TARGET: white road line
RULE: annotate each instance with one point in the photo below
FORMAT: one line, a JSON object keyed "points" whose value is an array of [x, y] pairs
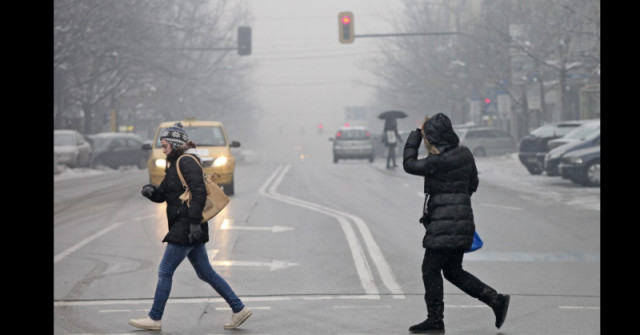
{"points": [[374, 251], [579, 307], [495, 256], [385, 271], [359, 258], [252, 308], [212, 300], [82, 243], [273, 265]]}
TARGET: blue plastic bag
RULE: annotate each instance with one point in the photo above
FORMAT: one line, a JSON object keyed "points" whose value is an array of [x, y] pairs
{"points": [[477, 242]]}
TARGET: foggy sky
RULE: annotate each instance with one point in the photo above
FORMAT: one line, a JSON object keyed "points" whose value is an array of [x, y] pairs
{"points": [[304, 75]]}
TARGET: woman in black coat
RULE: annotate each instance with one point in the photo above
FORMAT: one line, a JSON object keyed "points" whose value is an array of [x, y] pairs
{"points": [[187, 236], [450, 177]]}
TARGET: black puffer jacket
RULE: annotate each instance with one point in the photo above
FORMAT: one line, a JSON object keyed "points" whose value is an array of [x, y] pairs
{"points": [[179, 216], [450, 178]]}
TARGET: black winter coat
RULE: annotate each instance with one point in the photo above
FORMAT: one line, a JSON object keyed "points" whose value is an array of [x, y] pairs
{"points": [[179, 216], [449, 179]]}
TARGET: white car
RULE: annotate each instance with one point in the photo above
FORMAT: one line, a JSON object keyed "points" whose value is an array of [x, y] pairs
{"points": [[71, 148], [352, 143]]}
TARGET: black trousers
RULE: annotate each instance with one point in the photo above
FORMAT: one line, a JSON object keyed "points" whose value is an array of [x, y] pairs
{"points": [[437, 263]]}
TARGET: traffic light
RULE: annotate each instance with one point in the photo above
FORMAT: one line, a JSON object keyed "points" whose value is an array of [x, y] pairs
{"points": [[345, 27], [485, 106], [244, 41]]}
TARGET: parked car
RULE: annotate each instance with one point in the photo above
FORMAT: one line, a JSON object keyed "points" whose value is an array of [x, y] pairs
{"points": [[486, 141], [582, 166], [533, 147], [114, 150], [352, 143], [71, 148], [213, 147], [576, 135], [552, 159]]}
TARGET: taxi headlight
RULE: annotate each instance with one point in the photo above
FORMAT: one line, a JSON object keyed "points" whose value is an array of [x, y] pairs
{"points": [[220, 161], [160, 163]]}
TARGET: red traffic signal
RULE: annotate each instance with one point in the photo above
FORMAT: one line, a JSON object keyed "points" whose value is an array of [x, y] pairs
{"points": [[345, 27]]}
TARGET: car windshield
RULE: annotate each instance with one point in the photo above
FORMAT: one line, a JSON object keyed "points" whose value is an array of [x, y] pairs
{"points": [[205, 136], [551, 130], [63, 139], [583, 131], [352, 134]]}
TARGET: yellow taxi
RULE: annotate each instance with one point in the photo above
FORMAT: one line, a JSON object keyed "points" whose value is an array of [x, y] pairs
{"points": [[213, 146]]}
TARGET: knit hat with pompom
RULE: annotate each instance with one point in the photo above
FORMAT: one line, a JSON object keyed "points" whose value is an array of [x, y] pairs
{"points": [[176, 135]]}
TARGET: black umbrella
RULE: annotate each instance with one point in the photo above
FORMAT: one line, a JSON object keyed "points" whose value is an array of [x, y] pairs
{"points": [[392, 115]]}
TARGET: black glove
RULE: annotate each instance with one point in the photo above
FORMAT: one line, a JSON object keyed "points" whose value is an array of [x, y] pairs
{"points": [[195, 231], [147, 190]]}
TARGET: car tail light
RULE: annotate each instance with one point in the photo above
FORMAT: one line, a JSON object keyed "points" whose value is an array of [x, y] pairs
{"points": [[368, 134], [338, 134]]}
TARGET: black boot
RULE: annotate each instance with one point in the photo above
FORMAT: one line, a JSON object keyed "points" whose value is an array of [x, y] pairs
{"points": [[500, 305], [434, 324]]}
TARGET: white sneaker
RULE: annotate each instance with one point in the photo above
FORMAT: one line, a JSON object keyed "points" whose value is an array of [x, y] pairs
{"points": [[238, 318], [146, 323]]}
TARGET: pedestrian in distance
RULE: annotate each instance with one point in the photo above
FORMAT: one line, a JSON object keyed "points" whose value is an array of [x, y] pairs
{"points": [[390, 138], [450, 178], [187, 236]]}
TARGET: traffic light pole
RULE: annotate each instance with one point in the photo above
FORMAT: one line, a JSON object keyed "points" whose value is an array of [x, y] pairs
{"points": [[410, 34]]}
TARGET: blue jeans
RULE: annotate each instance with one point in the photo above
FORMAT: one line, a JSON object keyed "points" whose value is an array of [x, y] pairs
{"points": [[174, 254]]}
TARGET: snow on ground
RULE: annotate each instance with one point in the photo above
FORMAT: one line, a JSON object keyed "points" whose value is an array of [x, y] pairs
{"points": [[509, 172]]}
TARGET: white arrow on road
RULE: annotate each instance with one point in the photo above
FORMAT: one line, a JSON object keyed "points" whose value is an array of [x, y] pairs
{"points": [[226, 225], [273, 265]]}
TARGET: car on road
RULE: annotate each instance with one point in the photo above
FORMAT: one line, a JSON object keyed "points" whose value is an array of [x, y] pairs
{"points": [[533, 147], [71, 148], [486, 141], [582, 166], [114, 150], [552, 159], [213, 147], [353, 142], [576, 135]]}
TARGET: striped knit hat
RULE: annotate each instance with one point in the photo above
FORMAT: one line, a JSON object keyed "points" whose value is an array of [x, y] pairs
{"points": [[175, 135]]}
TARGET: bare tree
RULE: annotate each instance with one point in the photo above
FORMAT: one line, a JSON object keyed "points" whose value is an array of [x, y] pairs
{"points": [[430, 74], [167, 58]]}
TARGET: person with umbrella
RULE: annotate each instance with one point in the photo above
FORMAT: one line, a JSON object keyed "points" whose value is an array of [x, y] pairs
{"points": [[390, 135]]}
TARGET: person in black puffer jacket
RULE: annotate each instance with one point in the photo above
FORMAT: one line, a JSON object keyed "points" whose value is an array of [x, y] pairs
{"points": [[187, 236], [450, 177]]}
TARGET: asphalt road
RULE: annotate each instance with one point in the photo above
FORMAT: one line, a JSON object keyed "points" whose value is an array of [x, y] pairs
{"points": [[314, 247]]}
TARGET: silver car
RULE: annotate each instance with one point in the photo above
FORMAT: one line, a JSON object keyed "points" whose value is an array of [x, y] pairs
{"points": [[71, 148], [352, 143], [486, 141]]}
